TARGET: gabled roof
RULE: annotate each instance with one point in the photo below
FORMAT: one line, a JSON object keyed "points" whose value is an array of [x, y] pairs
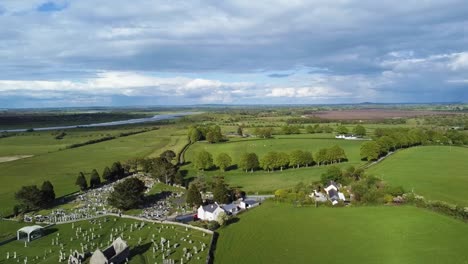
{"points": [[210, 208], [30, 229], [333, 194], [229, 207], [250, 202]]}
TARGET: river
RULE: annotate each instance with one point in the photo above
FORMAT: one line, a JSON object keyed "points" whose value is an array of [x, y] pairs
{"points": [[113, 123]]}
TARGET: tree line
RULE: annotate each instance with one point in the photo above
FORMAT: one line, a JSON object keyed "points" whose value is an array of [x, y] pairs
{"points": [[391, 139], [212, 134], [272, 160]]}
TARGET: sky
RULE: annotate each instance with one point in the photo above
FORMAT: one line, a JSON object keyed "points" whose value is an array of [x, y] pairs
{"points": [[125, 53]]}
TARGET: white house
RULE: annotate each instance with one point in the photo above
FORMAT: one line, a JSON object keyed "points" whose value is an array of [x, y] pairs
{"points": [[347, 136], [246, 204], [333, 194], [209, 212]]}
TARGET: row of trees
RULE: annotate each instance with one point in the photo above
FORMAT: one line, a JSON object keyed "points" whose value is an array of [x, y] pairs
{"points": [[391, 139], [296, 129], [272, 160], [212, 134], [115, 172], [31, 197]]}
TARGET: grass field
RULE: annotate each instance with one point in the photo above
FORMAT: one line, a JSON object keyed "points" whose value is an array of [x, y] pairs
{"points": [[62, 167], [436, 172], [139, 253], [281, 233], [262, 181]]}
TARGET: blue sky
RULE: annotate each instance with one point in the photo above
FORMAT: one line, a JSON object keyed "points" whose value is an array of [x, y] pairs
{"points": [[120, 52]]}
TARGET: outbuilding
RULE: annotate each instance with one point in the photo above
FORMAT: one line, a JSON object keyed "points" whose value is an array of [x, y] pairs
{"points": [[29, 233]]}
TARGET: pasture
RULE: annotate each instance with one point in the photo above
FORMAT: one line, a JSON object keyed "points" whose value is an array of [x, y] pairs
{"points": [[281, 233], [104, 228], [264, 182], [62, 167], [435, 172]]}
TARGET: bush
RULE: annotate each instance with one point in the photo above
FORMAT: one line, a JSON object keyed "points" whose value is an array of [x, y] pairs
{"points": [[212, 225]]}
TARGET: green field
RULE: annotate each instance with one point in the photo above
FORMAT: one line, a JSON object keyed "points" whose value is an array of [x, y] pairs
{"points": [[140, 253], [62, 167], [436, 172], [262, 181], [281, 233]]}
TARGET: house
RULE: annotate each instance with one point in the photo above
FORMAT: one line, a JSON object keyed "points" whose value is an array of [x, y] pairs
{"points": [[231, 208], [246, 204], [116, 253], [347, 136], [333, 193], [209, 212]]}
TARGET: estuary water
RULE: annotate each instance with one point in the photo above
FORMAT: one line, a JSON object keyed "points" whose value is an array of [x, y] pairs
{"points": [[113, 123]]}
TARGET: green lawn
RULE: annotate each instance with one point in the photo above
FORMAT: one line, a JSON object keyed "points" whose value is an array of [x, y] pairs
{"points": [[281, 233], [436, 172], [142, 253], [262, 181], [62, 167]]}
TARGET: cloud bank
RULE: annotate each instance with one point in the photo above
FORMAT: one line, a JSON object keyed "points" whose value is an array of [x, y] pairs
{"points": [[60, 53]]}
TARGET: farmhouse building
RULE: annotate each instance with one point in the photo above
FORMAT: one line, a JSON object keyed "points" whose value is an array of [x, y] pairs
{"points": [[209, 212], [347, 136], [246, 204], [333, 193]]}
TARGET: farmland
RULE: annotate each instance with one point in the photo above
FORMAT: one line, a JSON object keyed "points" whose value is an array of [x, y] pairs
{"points": [[281, 233], [61, 167], [436, 172], [262, 181]]}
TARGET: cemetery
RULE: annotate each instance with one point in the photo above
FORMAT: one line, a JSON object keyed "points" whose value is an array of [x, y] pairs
{"points": [[110, 238], [93, 202]]}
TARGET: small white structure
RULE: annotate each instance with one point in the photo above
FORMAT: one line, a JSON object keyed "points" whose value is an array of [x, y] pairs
{"points": [[31, 232], [347, 136], [209, 212], [246, 204]]}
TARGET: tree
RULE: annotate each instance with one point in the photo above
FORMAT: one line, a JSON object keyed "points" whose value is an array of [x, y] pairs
{"points": [[94, 180], [248, 161], [269, 161], [133, 164], [203, 160], [370, 151], [29, 197], [194, 135], [127, 194], [107, 175], [341, 130], [282, 160], [296, 158], [193, 196], [222, 218], [321, 156], [223, 161], [163, 170], [359, 130], [332, 174], [240, 131], [307, 159], [48, 193], [336, 154], [310, 129], [168, 155], [117, 171], [81, 181], [221, 192]]}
